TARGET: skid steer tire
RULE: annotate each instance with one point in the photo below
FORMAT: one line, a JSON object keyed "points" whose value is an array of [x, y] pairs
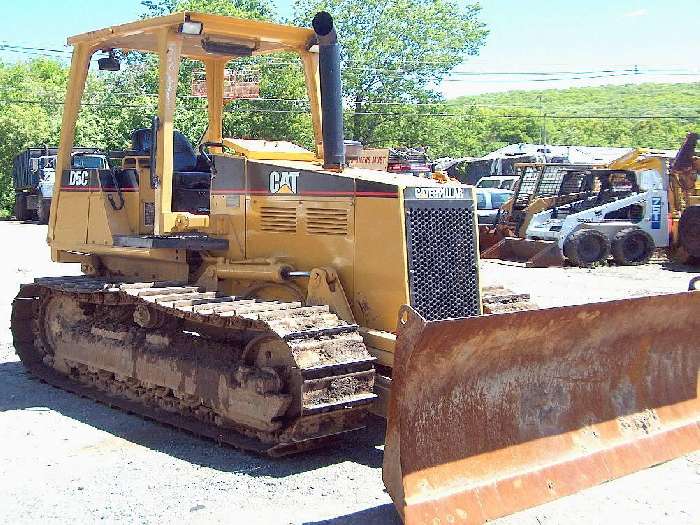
{"points": [[632, 247], [585, 248], [43, 211]]}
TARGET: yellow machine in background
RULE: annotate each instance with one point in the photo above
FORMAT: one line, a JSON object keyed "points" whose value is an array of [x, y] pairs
{"points": [[266, 296]]}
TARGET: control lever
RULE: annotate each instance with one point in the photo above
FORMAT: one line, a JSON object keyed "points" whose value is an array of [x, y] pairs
{"points": [[203, 147]]}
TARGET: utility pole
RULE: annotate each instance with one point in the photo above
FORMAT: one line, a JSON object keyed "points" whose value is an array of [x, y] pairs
{"points": [[543, 132]]}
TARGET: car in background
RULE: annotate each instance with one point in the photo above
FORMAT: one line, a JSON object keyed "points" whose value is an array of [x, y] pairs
{"points": [[411, 161], [504, 182], [489, 202]]}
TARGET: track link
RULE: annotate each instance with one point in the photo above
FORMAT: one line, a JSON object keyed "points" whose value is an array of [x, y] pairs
{"points": [[271, 377]]}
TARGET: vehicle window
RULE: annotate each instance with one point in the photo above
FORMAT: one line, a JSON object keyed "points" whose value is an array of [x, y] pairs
{"points": [[620, 182], [488, 183], [481, 201], [507, 184], [650, 180], [498, 199], [88, 161]]}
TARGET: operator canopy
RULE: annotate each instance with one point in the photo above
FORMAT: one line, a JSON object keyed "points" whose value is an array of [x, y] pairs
{"points": [[203, 36]]}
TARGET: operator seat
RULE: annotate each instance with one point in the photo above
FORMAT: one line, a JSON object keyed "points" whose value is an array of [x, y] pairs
{"points": [[191, 173]]}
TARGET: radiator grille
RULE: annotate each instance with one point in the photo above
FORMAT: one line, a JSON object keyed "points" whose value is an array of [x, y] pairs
{"points": [[442, 259], [327, 221], [278, 219]]}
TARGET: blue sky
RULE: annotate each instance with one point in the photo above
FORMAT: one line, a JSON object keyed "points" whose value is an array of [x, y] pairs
{"points": [[526, 35]]}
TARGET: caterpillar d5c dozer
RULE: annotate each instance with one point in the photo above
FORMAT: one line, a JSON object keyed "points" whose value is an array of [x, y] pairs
{"points": [[252, 294]]}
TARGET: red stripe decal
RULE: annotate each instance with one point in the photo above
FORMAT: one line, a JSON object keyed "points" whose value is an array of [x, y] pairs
{"points": [[393, 194], [228, 192], [384, 194], [97, 189]]}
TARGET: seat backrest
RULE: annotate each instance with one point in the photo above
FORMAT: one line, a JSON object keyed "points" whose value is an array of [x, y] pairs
{"points": [[141, 141], [184, 157]]}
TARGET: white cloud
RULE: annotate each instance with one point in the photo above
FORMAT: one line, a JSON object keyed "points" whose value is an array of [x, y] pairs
{"points": [[637, 13]]}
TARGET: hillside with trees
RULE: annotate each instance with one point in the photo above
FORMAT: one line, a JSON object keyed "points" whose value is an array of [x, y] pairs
{"points": [[649, 115]]}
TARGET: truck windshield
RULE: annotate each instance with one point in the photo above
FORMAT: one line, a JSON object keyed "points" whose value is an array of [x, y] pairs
{"points": [[488, 183], [89, 162], [498, 199]]}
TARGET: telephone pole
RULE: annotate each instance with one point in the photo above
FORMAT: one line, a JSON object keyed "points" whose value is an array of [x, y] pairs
{"points": [[543, 132]]}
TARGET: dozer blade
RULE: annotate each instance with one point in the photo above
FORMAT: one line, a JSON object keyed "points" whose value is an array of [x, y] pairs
{"points": [[494, 414], [535, 254]]}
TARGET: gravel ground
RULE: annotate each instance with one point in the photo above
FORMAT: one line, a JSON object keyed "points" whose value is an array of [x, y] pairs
{"points": [[65, 459]]}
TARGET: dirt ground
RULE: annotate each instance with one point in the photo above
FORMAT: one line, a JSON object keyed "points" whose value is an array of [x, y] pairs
{"points": [[65, 459]]}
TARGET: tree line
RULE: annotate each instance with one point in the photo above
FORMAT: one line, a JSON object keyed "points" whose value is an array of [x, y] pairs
{"points": [[395, 54]]}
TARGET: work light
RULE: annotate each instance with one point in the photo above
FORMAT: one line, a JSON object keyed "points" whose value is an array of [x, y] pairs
{"points": [[190, 27]]}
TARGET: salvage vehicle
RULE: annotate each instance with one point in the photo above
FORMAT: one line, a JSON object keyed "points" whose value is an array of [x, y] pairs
{"points": [[489, 202], [33, 177], [504, 182]]}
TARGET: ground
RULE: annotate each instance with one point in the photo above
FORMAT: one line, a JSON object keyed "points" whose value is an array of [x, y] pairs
{"points": [[65, 459]]}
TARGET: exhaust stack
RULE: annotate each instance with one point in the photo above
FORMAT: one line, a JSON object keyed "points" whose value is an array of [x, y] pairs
{"points": [[331, 92]]}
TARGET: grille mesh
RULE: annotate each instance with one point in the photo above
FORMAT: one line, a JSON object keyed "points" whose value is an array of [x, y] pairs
{"points": [[442, 260]]}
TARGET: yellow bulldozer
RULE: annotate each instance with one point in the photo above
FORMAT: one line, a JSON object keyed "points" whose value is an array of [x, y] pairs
{"points": [[267, 296]]}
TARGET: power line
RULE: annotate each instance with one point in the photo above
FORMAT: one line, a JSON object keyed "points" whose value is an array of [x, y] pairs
{"points": [[106, 94], [5, 45], [109, 93], [392, 114], [450, 76], [102, 97], [609, 68]]}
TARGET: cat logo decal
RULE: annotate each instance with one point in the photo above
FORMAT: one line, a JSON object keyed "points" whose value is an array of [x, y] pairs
{"points": [[283, 181]]}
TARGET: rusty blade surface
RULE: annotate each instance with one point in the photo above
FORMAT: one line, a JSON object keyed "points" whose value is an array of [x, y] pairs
{"points": [[494, 414], [532, 253]]}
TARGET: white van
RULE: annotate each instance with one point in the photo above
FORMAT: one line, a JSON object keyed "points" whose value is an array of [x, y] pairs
{"points": [[503, 182]]}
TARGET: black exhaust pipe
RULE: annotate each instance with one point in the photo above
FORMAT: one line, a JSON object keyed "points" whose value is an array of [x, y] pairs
{"points": [[331, 92]]}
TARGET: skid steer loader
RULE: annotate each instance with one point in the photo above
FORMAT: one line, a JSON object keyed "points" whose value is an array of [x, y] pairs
{"points": [[628, 209], [539, 187], [262, 316]]}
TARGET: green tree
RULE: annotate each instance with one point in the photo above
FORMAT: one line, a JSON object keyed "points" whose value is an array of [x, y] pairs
{"points": [[280, 79], [396, 50], [30, 96], [260, 9]]}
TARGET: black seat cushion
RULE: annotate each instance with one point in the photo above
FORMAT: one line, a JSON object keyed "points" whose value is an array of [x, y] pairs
{"points": [[184, 156], [191, 180], [141, 141]]}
